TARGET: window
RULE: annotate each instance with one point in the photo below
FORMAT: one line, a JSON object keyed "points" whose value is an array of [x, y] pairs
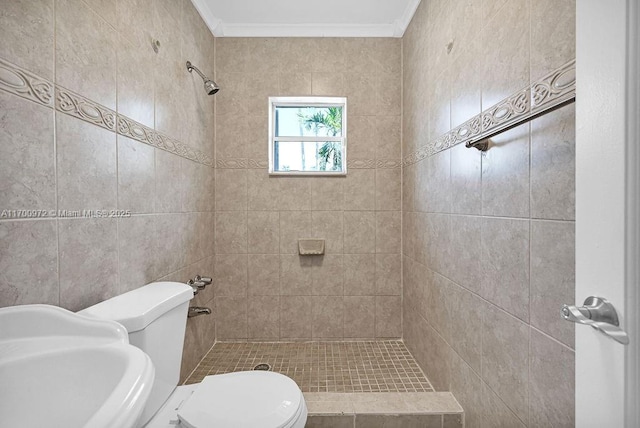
{"points": [[307, 135]]}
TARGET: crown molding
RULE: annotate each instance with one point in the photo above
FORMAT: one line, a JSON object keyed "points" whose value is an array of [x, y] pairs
{"points": [[308, 30], [207, 15], [222, 29]]}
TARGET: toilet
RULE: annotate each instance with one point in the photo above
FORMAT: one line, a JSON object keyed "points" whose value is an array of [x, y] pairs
{"points": [[155, 317]]}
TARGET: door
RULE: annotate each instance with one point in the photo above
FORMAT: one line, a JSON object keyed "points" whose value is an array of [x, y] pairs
{"points": [[603, 141]]}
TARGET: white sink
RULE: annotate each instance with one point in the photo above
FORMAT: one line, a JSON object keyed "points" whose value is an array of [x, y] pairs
{"points": [[61, 369]]}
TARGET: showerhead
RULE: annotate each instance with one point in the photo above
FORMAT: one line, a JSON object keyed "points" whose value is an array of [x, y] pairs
{"points": [[210, 86]]}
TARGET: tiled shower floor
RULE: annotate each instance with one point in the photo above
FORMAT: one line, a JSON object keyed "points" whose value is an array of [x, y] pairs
{"points": [[365, 366]]}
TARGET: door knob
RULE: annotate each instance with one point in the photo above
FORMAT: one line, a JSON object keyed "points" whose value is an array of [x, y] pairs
{"points": [[600, 314]]}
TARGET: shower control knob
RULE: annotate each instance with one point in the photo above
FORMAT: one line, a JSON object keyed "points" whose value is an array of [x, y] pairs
{"points": [[206, 280]]}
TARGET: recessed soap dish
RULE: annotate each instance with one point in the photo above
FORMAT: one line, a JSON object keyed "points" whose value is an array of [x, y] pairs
{"points": [[310, 247]]}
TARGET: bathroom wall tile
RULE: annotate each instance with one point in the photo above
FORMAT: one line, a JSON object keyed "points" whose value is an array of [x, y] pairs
{"points": [[552, 277], [232, 54], [327, 194], [327, 84], [552, 383], [437, 362], [168, 182], [263, 232], [264, 275], [553, 154], [136, 252], [330, 54], [27, 155], [328, 225], [170, 244], [505, 365], [136, 176], [231, 189], [388, 232], [490, 8], [388, 316], [169, 73], [437, 242], [466, 386], [231, 317], [389, 95], [257, 148], [466, 252], [466, 23], [231, 274], [465, 315], [438, 185], [495, 413], [466, 184], [231, 232], [295, 193], [359, 316], [262, 190], [466, 85], [295, 275], [505, 174], [388, 137], [358, 58], [106, 9], [134, 20], [439, 106], [294, 84], [327, 275], [359, 190], [199, 236], [361, 90], [438, 311], [505, 281], [553, 35], [388, 275], [28, 247], [362, 137], [231, 136], [328, 317], [88, 261], [388, 189], [296, 317], [260, 87], [408, 188], [359, 274], [502, 78], [232, 101], [134, 87], [294, 225], [359, 232], [263, 317], [26, 28], [92, 186], [85, 53], [199, 186]]}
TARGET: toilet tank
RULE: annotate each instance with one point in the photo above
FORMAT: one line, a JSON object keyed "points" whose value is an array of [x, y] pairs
{"points": [[155, 317]]}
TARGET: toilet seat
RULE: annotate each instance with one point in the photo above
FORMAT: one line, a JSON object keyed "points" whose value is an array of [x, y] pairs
{"points": [[243, 400]]}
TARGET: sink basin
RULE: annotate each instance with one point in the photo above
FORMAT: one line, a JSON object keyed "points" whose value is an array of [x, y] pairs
{"points": [[61, 369]]}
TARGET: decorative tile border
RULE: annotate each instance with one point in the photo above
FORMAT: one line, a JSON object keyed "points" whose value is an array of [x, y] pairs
{"points": [[554, 89], [22, 83], [82, 108], [232, 163], [361, 163], [17, 81]]}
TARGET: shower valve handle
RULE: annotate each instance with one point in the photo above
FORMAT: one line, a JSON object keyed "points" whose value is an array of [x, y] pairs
{"points": [[204, 279]]}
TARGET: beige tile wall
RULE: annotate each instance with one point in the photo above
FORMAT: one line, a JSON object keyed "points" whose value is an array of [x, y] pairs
{"points": [[53, 161], [488, 239], [265, 291]]}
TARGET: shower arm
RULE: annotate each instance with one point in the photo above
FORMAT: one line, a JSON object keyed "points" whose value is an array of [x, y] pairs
{"points": [[191, 67]]}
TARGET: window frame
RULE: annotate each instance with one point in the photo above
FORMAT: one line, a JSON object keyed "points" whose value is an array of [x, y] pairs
{"points": [[310, 101]]}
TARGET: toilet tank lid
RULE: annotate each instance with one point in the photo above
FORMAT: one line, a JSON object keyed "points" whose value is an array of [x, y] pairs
{"points": [[138, 308]]}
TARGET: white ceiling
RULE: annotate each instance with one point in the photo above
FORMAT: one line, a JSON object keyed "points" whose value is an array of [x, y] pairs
{"points": [[307, 18]]}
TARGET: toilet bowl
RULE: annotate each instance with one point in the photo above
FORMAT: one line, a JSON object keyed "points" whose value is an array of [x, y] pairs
{"points": [[155, 317]]}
